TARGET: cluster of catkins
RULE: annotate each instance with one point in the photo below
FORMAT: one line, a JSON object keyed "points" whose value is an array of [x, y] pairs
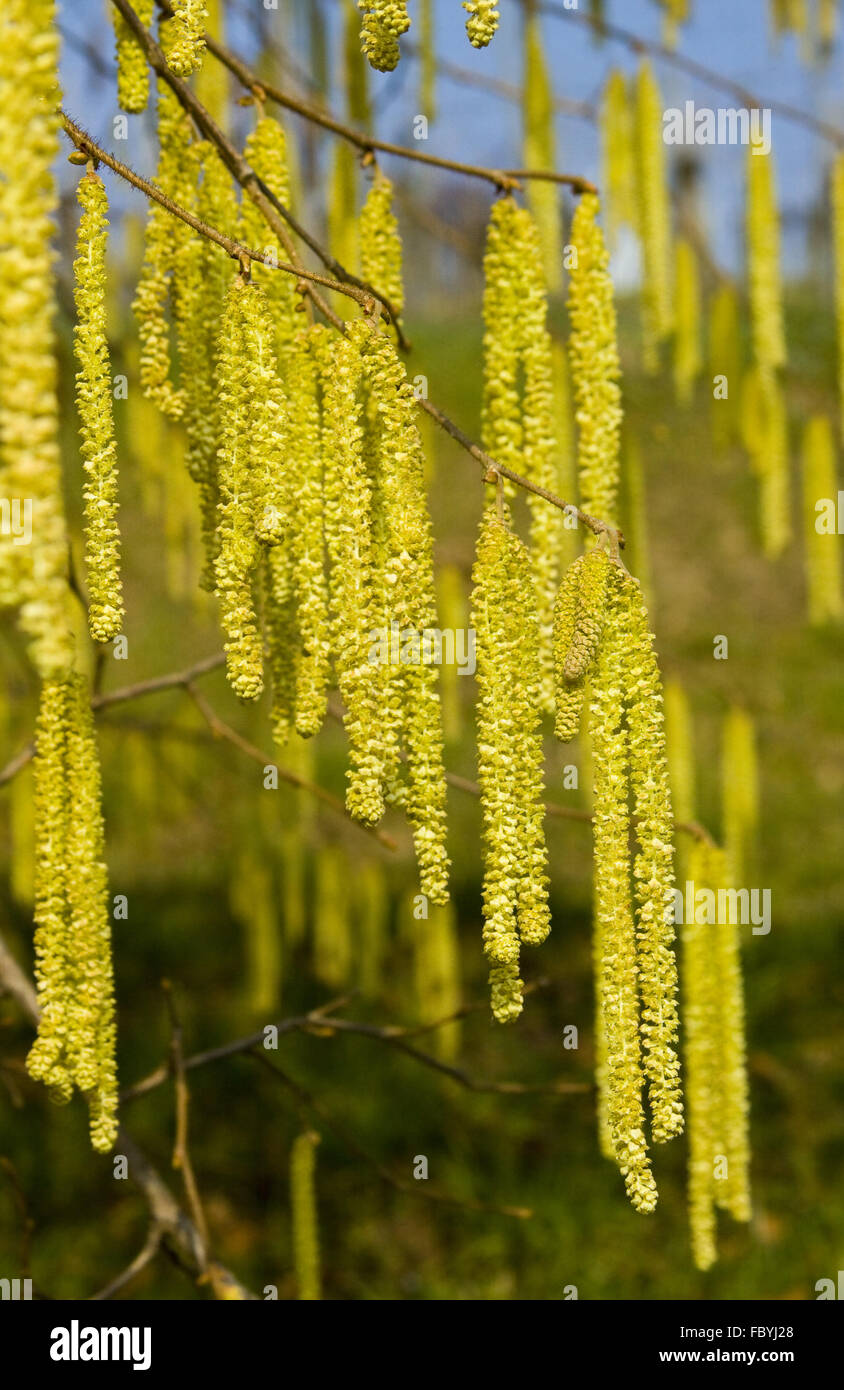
{"points": [[384, 21]]}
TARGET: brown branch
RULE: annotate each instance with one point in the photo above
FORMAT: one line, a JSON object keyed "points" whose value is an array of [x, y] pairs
{"points": [[505, 179], [508, 91], [273, 210], [145, 1256], [165, 1211]]}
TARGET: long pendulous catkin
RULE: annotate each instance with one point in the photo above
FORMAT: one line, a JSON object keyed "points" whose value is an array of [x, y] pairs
{"points": [[75, 1046], [33, 577], [186, 36], [132, 66], [305, 1220], [654, 217], [820, 497], [96, 417], [509, 758]]}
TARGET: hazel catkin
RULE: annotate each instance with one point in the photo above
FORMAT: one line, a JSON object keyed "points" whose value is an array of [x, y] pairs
{"points": [[94, 405]]}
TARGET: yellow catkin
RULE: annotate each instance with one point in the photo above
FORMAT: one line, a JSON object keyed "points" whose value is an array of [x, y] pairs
{"points": [[618, 1050], [355, 70], [175, 176], [739, 793], [371, 916], [701, 1031], [186, 36], [654, 217], [76, 1035], [509, 758], [304, 1212], [132, 67], [725, 363], [679, 737], [332, 940], [428, 61], [837, 199], [383, 23], [569, 694], [380, 244], [676, 13], [687, 349], [617, 155], [482, 22], [342, 219], [249, 445], [32, 577], [437, 978], [539, 153], [405, 579], [595, 368], [453, 616], [820, 511], [762, 234], [519, 416], [267, 151], [254, 905], [715, 1058], [212, 80], [763, 426], [636, 516], [565, 452], [96, 416]]}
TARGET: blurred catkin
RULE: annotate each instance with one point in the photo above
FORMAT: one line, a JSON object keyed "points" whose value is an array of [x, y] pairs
{"points": [[654, 216], [304, 1212], [823, 559]]}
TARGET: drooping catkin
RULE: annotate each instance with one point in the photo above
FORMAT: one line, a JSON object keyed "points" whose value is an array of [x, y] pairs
{"points": [[715, 1058], [212, 79], [33, 577], [539, 153], [436, 970], [342, 219], [186, 36], [739, 793], [837, 200], [482, 22], [725, 363], [565, 452], [383, 23], [509, 758], [595, 367], [636, 516], [332, 939], [380, 243], [653, 868], [676, 13], [238, 545], [254, 906], [774, 467], [519, 414], [165, 235], [654, 217], [618, 1047], [371, 913], [687, 351], [94, 405], [303, 1207], [569, 695], [406, 578], [132, 67], [617, 155], [453, 616], [428, 61], [266, 150], [75, 1045], [820, 499], [762, 234]]}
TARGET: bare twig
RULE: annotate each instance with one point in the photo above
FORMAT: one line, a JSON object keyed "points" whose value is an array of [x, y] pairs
{"points": [[145, 1256]]}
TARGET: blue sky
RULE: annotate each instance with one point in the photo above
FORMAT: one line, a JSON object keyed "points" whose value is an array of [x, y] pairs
{"points": [[730, 36]]}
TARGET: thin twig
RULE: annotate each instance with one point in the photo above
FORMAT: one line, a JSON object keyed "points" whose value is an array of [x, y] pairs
{"points": [[145, 1256], [181, 1148]]}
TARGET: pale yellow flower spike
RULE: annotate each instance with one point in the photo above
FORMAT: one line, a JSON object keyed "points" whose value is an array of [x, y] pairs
{"points": [[732, 1177], [837, 195], [654, 217], [823, 556], [539, 153], [725, 362], [333, 946], [76, 1032], [482, 22], [595, 368], [380, 243], [34, 576], [739, 793], [653, 868], [509, 758], [680, 743], [237, 542], [305, 1219], [569, 695], [763, 269], [94, 404], [132, 66], [687, 349], [384, 21], [620, 1073], [266, 150], [501, 431], [187, 37], [617, 159], [701, 1056]]}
